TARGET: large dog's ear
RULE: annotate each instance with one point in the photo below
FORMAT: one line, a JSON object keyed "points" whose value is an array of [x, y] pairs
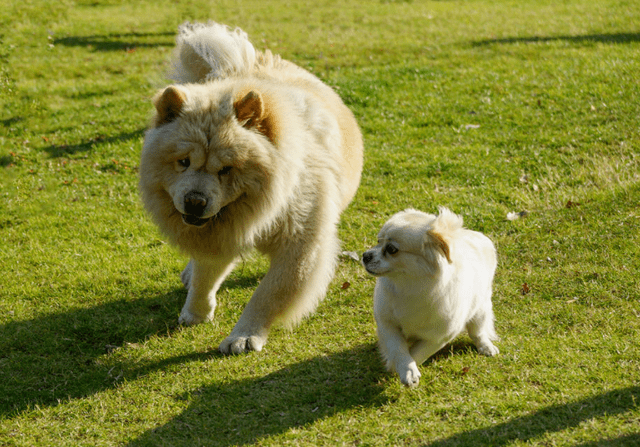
{"points": [[169, 104], [433, 239], [249, 109], [253, 113]]}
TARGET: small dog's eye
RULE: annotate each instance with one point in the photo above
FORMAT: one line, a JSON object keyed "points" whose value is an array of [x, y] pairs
{"points": [[185, 162], [391, 249], [225, 170]]}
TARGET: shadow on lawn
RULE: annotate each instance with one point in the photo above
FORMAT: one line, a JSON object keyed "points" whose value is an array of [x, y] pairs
{"points": [[118, 42], [246, 411], [50, 360], [65, 150], [554, 419], [57, 357], [64, 356], [613, 38]]}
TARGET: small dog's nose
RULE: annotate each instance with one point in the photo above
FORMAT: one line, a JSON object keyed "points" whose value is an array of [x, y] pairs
{"points": [[367, 257], [195, 203]]}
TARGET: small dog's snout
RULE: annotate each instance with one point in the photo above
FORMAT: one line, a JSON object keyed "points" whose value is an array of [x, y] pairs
{"points": [[367, 257], [195, 203]]}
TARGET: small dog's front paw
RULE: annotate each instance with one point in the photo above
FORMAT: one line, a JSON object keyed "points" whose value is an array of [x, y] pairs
{"points": [[488, 349], [189, 319], [235, 344], [409, 374]]}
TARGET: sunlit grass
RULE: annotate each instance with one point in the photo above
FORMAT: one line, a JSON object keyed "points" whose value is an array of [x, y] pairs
{"points": [[489, 108]]}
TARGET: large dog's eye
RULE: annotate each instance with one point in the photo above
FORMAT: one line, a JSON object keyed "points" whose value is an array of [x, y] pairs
{"points": [[225, 170], [390, 249], [185, 162]]}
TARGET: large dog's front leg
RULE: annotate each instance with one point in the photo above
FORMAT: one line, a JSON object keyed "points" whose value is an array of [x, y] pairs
{"points": [[292, 288], [203, 279]]}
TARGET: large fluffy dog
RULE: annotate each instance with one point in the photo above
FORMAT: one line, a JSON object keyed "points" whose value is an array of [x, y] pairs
{"points": [[249, 150], [434, 281]]}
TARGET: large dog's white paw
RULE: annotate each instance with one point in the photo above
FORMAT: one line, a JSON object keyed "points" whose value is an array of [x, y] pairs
{"points": [[238, 344], [488, 349], [409, 374], [189, 319]]}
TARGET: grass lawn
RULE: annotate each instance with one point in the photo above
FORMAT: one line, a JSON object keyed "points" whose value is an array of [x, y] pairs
{"points": [[491, 108]]}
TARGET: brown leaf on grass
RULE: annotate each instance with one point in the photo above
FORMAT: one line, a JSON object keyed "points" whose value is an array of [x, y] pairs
{"points": [[345, 285], [571, 204], [465, 370], [525, 289]]}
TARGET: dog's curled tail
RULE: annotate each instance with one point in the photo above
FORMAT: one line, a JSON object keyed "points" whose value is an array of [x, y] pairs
{"points": [[210, 51]]}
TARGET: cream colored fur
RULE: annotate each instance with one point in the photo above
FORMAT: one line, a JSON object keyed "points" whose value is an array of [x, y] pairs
{"points": [[248, 150], [434, 281]]}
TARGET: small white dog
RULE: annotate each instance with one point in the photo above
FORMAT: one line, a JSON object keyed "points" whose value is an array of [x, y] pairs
{"points": [[434, 280]]}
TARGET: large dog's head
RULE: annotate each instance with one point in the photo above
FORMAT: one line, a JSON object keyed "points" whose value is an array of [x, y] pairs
{"points": [[412, 244], [209, 152]]}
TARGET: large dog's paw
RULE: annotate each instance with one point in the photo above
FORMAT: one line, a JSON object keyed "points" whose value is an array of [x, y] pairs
{"points": [[409, 374], [488, 349], [189, 319], [238, 344]]}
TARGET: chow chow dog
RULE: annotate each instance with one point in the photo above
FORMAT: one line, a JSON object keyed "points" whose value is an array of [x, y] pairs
{"points": [[247, 150], [433, 280]]}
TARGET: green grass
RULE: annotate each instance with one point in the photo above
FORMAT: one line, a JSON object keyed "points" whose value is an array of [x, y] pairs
{"points": [[487, 107]]}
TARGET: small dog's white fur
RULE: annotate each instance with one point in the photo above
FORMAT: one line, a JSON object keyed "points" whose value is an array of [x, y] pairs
{"points": [[434, 281]]}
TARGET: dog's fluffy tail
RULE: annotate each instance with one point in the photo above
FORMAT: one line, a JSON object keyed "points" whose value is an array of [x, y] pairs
{"points": [[210, 51]]}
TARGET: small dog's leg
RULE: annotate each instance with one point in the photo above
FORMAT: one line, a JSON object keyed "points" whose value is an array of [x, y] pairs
{"points": [[203, 280], [482, 331], [421, 350], [395, 350]]}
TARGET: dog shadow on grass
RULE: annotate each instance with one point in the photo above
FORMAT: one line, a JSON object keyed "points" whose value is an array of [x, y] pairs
{"points": [[586, 39], [245, 411], [66, 356], [119, 41], [67, 150], [57, 356], [554, 419]]}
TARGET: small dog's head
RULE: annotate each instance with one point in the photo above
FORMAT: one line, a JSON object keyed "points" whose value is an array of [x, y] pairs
{"points": [[412, 243]]}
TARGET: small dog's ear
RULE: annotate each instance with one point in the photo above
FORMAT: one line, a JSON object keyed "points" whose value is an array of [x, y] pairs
{"points": [[435, 239], [169, 104], [252, 112]]}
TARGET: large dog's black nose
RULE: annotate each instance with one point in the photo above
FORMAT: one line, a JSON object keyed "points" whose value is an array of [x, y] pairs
{"points": [[367, 257], [195, 203]]}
